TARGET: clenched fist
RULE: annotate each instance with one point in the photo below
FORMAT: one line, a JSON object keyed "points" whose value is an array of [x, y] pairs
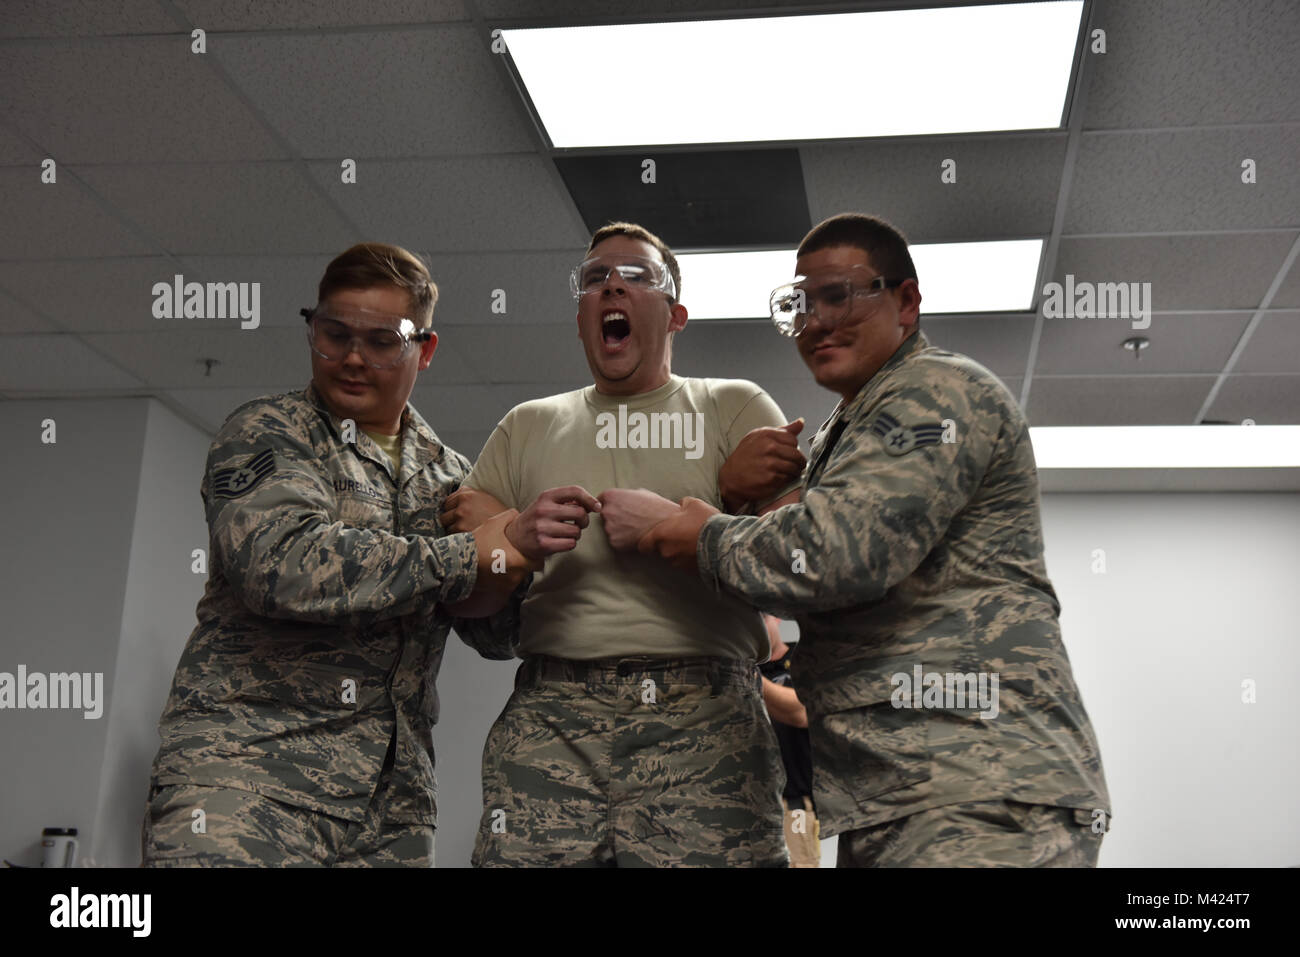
{"points": [[627, 514], [765, 461]]}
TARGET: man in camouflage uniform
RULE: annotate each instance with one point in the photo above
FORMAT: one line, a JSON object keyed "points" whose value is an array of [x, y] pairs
{"points": [[946, 725], [298, 730], [636, 734]]}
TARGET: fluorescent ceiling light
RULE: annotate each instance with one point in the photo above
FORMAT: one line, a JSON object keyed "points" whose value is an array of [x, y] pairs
{"points": [[955, 278], [1167, 447], [883, 73]]}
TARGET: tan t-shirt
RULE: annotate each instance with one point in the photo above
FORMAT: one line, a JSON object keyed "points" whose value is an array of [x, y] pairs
{"points": [[593, 602], [390, 445]]}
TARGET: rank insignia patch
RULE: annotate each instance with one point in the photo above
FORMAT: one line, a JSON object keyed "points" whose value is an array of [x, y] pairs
{"points": [[232, 483], [900, 439]]}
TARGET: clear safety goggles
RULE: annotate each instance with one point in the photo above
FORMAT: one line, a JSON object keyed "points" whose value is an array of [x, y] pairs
{"points": [[380, 338], [829, 298], [590, 275]]}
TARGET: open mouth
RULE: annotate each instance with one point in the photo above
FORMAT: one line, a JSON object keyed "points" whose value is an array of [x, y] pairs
{"points": [[615, 328]]}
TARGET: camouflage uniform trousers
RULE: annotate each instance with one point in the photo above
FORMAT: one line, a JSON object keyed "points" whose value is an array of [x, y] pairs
{"points": [[246, 829], [632, 763], [979, 834]]}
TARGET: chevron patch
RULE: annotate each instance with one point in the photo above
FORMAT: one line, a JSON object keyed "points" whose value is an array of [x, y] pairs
{"points": [[899, 439], [232, 483]]}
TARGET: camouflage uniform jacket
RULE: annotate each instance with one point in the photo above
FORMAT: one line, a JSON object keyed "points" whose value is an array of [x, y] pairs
{"points": [[319, 635], [918, 544]]}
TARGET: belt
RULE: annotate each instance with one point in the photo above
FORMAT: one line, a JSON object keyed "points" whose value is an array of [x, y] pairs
{"points": [[717, 673]]}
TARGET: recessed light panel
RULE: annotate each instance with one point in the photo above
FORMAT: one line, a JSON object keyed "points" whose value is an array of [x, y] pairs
{"points": [[826, 76]]}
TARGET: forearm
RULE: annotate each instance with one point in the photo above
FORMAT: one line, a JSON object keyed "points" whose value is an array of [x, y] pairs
{"points": [[783, 705], [817, 555], [319, 571]]}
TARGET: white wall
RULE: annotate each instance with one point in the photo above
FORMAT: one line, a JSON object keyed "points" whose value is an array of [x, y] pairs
{"points": [[94, 577], [157, 618], [67, 511], [1199, 593]]}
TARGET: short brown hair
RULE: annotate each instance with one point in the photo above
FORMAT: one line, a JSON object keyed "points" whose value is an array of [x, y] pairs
{"points": [[643, 234], [379, 264], [880, 240]]}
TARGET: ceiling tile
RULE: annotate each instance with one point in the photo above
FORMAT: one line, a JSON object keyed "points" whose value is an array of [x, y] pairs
{"points": [[1000, 343], [1194, 63], [203, 210], [736, 349], [91, 295], [87, 102], [1179, 343], [1288, 294], [603, 10], [1268, 399], [58, 220], [1155, 182], [385, 94], [215, 15], [1274, 346], [15, 317], [535, 287], [1226, 271], [57, 363], [1117, 400], [83, 18], [269, 358], [15, 151], [550, 356], [288, 283], [1006, 185], [699, 199], [493, 203]]}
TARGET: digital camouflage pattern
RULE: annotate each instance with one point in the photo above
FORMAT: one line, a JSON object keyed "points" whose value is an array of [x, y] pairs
{"points": [[668, 763], [984, 834], [245, 829], [909, 549], [320, 633]]}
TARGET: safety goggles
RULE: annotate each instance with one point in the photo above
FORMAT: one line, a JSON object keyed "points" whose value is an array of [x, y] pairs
{"points": [[590, 275], [381, 339], [830, 299]]}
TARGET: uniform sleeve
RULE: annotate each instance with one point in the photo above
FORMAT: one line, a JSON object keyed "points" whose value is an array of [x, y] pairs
{"points": [[891, 487], [270, 512], [493, 473], [497, 636]]}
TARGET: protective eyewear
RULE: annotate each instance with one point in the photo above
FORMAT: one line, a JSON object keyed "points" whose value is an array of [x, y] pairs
{"points": [[590, 275], [829, 299], [382, 340]]}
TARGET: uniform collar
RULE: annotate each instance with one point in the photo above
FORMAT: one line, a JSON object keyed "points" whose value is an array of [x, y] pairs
{"points": [[909, 346], [415, 454]]}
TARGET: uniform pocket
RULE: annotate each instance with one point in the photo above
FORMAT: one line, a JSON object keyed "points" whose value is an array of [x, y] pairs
{"points": [[870, 750]]}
